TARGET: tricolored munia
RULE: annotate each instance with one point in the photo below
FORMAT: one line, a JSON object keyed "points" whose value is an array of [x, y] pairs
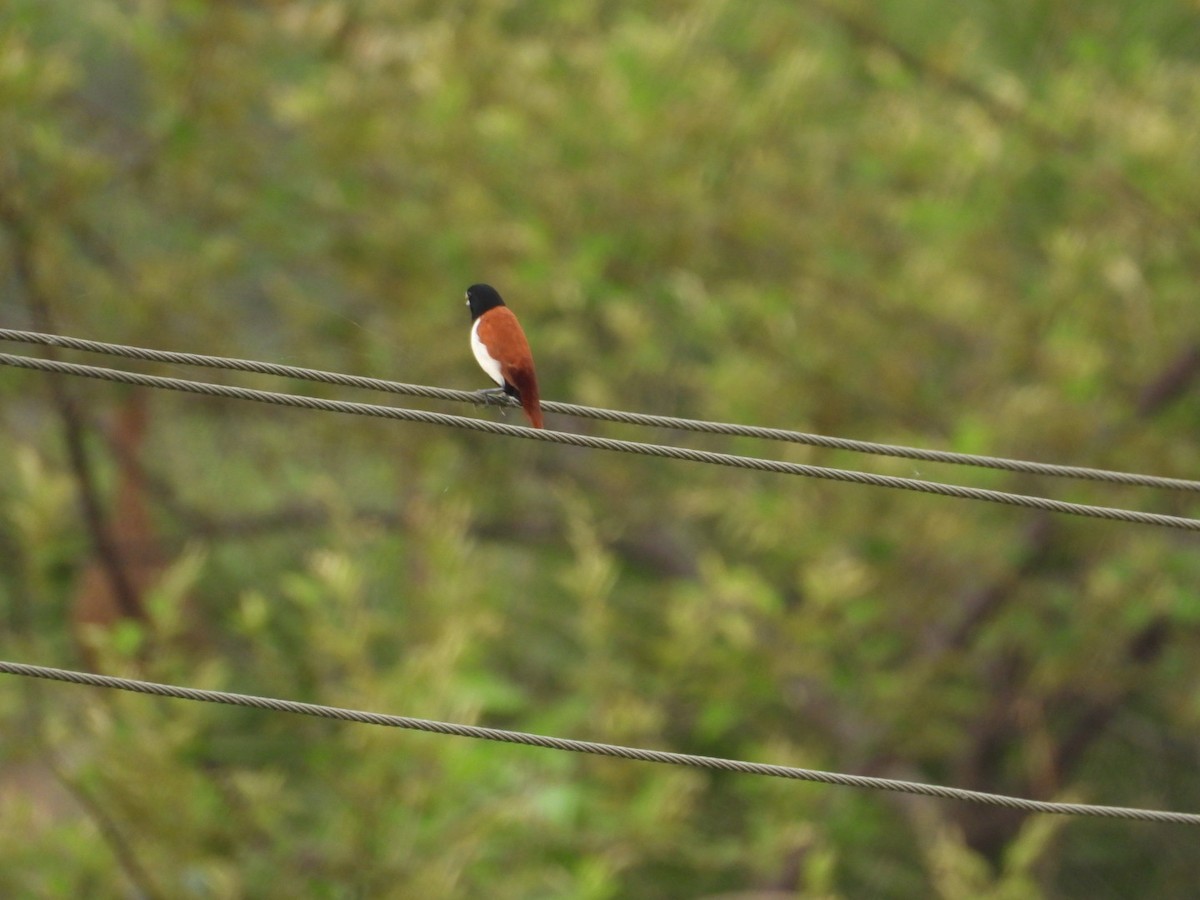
{"points": [[501, 349]]}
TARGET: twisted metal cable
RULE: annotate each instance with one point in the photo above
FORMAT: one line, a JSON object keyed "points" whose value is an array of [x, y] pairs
{"points": [[597, 749], [608, 415], [579, 440]]}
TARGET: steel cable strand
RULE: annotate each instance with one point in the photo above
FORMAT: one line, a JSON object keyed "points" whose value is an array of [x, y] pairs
{"points": [[591, 747], [620, 446], [608, 415]]}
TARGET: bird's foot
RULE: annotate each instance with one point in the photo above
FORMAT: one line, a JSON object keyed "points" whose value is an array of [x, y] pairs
{"points": [[496, 396]]}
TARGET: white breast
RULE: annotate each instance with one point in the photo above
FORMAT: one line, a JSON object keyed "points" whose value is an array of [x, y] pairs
{"points": [[489, 365]]}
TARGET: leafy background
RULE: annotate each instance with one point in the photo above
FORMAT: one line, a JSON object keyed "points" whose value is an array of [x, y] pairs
{"points": [[956, 225]]}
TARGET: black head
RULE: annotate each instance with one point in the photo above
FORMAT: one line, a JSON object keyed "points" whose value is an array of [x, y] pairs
{"points": [[481, 298]]}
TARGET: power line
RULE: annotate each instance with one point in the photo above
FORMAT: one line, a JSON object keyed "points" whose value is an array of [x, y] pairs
{"points": [[598, 443], [608, 415], [597, 749]]}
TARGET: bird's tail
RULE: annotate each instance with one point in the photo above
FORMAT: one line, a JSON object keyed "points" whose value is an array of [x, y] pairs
{"points": [[527, 390]]}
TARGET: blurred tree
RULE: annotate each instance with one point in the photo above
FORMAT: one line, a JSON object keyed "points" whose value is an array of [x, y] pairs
{"points": [[955, 226]]}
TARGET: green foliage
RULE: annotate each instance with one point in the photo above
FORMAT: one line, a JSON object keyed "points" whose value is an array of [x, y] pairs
{"points": [[956, 227]]}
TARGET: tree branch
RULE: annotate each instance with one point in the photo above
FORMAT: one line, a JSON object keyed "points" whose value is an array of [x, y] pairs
{"points": [[22, 241]]}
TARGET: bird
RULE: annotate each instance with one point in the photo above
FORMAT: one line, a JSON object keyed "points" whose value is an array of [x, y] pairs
{"points": [[501, 349]]}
